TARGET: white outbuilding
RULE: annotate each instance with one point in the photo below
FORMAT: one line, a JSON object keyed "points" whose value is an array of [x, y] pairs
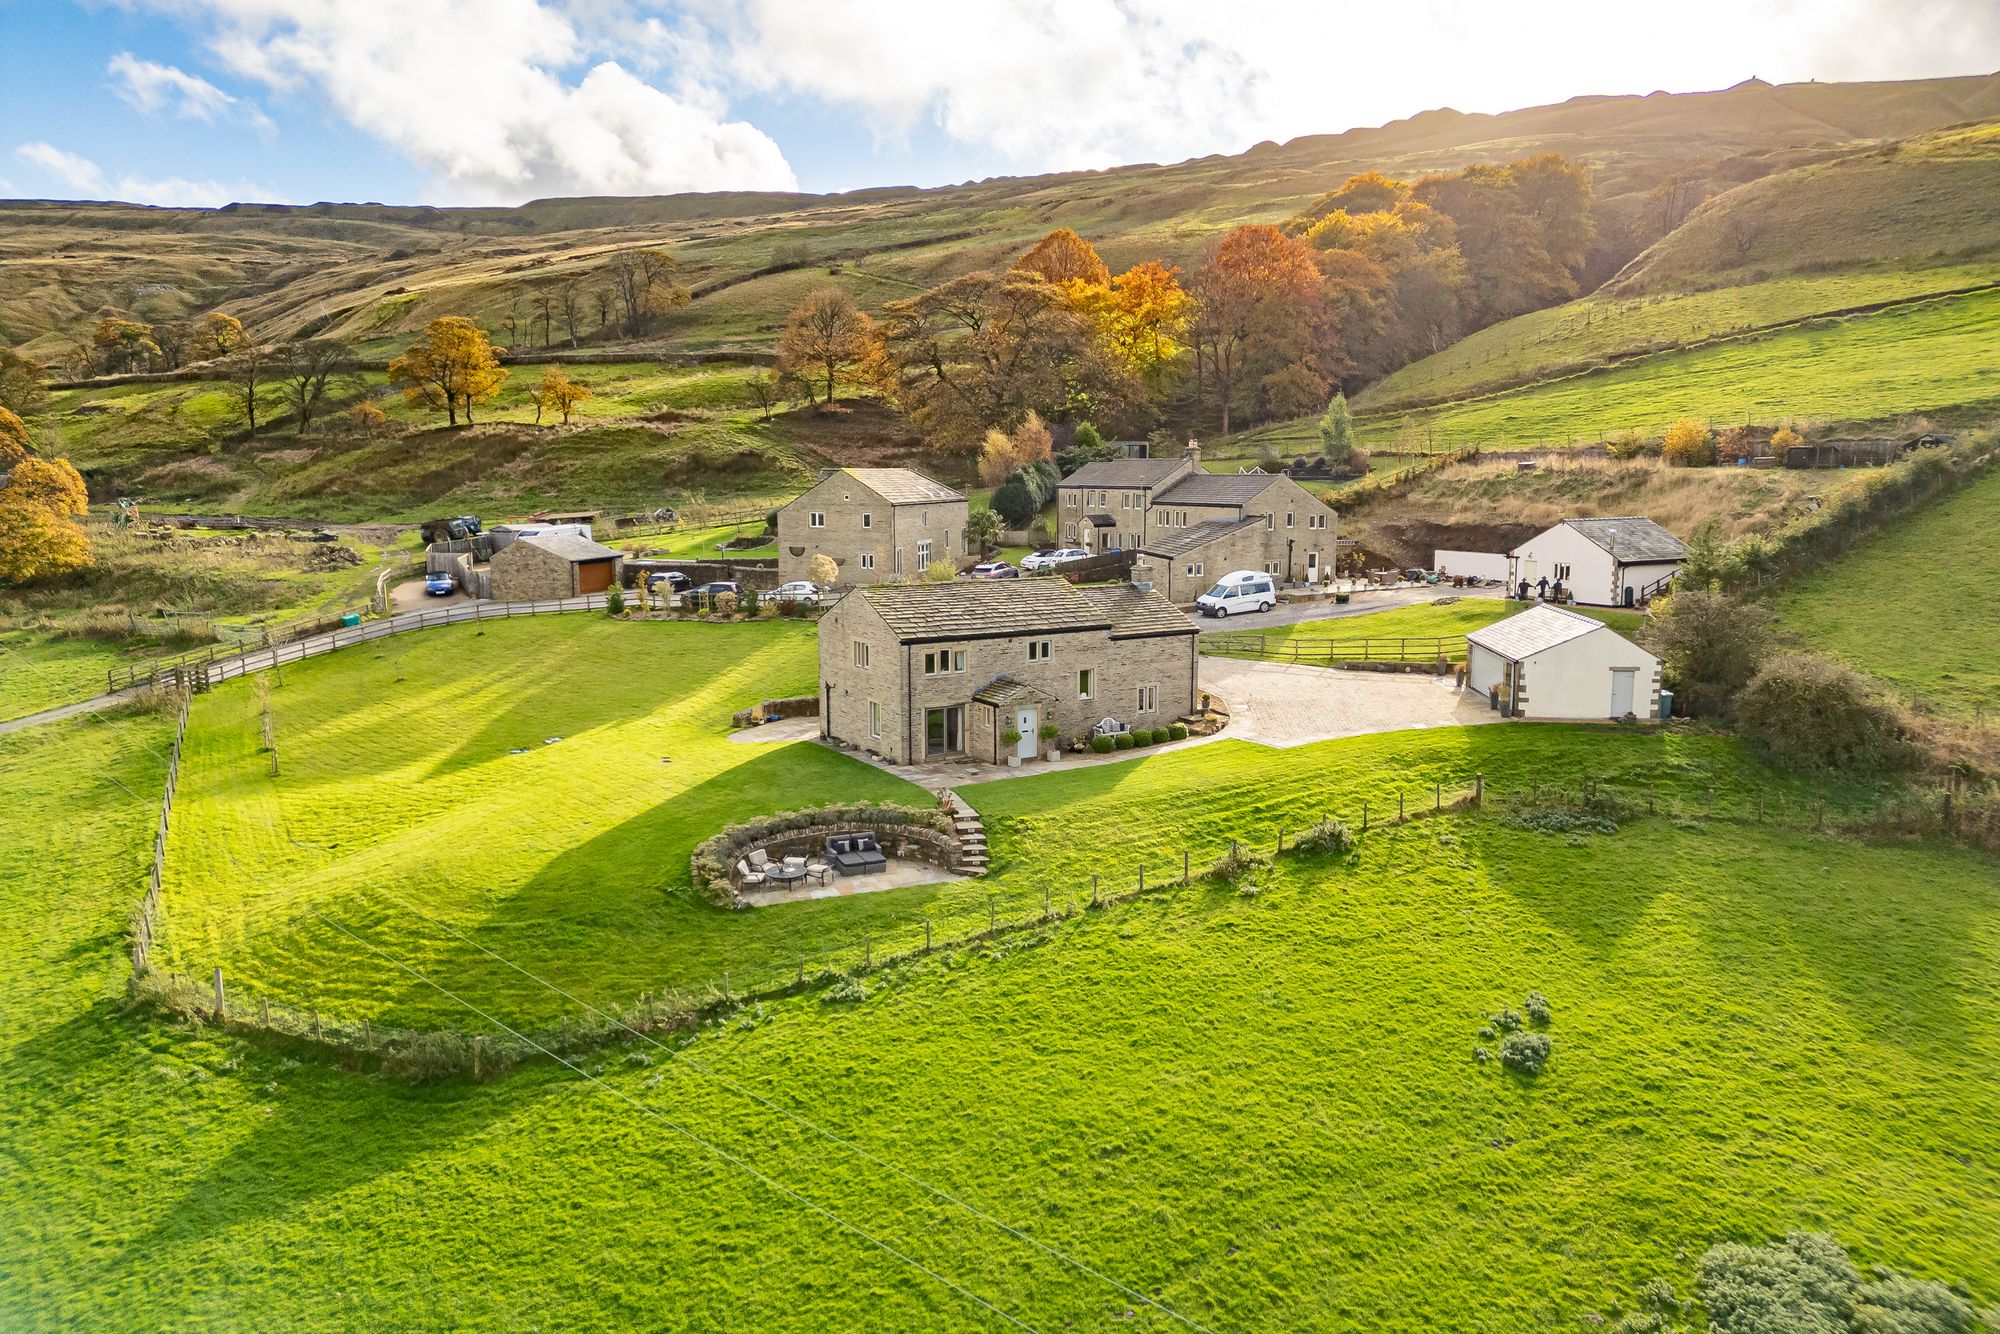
{"points": [[1551, 663], [1620, 562]]}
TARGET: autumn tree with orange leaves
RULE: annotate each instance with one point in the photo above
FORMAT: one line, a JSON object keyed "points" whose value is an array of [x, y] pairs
{"points": [[1262, 321], [40, 533], [449, 369]]}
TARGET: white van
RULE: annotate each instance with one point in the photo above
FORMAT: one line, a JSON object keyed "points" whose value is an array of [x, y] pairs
{"points": [[1239, 590]]}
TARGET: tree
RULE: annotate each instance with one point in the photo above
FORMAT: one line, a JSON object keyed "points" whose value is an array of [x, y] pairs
{"points": [[1710, 645], [1689, 444], [13, 439], [249, 368], [40, 537], [764, 392], [123, 344], [1336, 431], [174, 337], [1016, 501], [1260, 299], [826, 335], [1813, 713], [1145, 317], [23, 382], [558, 393], [643, 283], [823, 570], [220, 334], [307, 368], [571, 298], [449, 369], [1784, 438], [982, 530], [1063, 257]]}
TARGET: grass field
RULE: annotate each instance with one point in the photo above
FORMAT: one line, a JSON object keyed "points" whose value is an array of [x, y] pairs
{"points": [[1261, 1109], [1427, 620], [1932, 357], [1914, 605]]}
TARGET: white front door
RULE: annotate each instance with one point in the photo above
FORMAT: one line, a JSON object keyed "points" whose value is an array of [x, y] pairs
{"points": [[1621, 691], [1312, 567], [1025, 722]]}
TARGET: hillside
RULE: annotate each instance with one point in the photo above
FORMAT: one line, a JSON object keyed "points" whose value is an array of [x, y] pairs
{"points": [[374, 274]]}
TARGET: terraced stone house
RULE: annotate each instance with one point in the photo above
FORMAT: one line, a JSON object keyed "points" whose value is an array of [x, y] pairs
{"points": [[878, 524], [917, 672], [1197, 526]]}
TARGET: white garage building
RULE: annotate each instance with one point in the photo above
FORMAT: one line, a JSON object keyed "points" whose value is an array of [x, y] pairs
{"points": [[1551, 663], [1623, 562]]}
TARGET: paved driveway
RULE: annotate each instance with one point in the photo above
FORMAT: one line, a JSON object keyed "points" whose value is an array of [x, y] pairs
{"points": [[1280, 704], [1326, 609]]}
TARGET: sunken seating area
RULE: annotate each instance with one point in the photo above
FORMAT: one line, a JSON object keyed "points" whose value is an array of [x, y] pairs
{"points": [[855, 854]]}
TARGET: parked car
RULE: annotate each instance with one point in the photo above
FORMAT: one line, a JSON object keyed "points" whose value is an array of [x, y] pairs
{"points": [[1239, 590], [798, 590], [439, 584], [1043, 561], [706, 594], [994, 569], [672, 580]]}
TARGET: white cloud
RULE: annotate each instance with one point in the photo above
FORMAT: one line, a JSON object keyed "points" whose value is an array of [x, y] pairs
{"points": [[474, 91], [77, 172], [85, 177], [151, 87]]}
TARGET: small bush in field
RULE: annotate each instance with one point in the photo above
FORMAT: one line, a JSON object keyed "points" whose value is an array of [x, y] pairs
{"points": [[614, 601], [1537, 1007], [1506, 1020], [1237, 863], [1327, 837], [847, 991], [1689, 444], [1814, 713], [1103, 745], [1525, 1053]]}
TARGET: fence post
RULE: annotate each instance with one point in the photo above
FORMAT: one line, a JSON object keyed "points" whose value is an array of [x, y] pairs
{"points": [[1046, 910], [264, 1011], [927, 935], [1479, 789], [1437, 796], [1399, 806], [221, 1005], [315, 1021], [367, 1033], [867, 950], [1281, 840], [1184, 869], [1364, 817], [1093, 881], [1142, 880], [478, 1049]]}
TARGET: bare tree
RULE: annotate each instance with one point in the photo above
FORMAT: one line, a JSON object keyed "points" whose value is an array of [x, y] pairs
{"points": [[1745, 230], [542, 302], [308, 368], [764, 392], [644, 283], [251, 367], [605, 298], [570, 299], [174, 338]]}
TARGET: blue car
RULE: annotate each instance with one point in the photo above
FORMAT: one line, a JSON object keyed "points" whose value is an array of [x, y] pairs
{"points": [[438, 584]]}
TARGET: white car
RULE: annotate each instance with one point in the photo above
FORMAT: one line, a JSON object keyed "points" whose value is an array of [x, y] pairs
{"points": [[799, 590], [1043, 561], [1239, 590]]}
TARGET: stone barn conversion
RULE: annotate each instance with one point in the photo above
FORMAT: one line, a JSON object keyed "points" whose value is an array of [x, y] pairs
{"points": [[917, 672], [878, 525], [535, 566], [1552, 663]]}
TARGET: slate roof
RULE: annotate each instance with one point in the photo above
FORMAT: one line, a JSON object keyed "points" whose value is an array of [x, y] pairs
{"points": [[569, 546], [1185, 540], [1124, 472], [1534, 630], [1138, 612], [983, 608], [902, 486], [1632, 539], [1208, 488]]}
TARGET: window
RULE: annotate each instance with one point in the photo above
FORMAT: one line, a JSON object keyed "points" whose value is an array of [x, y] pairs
{"points": [[1289, 519], [860, 654], [867, 519], [1183, 522], [924, 552], [1315, 521], [940, 662], [1149, 699], [1194, 569], [874, 719], [1038, 650], [867, 560], [1069, 532], [1086, 683], [1270, 523], [1270, 567], [818, 520]]}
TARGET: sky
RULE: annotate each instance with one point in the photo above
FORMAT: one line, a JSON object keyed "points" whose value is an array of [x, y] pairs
{"points": [[453, 102]]}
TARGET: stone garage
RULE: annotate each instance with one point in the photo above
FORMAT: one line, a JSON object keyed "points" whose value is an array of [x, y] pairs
{"points": [[553, 565]]}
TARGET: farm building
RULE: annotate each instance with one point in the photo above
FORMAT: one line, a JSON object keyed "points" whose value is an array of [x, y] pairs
{"points": [[1622, 562], [878, 525], [1551, 663], [924, 671], [552, 565]]}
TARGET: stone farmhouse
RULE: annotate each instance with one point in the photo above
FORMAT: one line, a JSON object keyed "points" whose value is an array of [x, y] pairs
{"points": [[916, 672], [1195, 525], [878, 525], [1621, 562]]}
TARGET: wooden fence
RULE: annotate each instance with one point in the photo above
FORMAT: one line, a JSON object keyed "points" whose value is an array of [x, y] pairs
{"points": [[1278, 647], [146, 920]]}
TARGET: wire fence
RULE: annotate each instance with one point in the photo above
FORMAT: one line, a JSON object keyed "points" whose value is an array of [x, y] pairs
{"points": [[145, 921], [837, 967]]}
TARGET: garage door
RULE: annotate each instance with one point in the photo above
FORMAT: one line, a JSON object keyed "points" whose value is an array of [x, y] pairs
{"points": [[593, 576]]}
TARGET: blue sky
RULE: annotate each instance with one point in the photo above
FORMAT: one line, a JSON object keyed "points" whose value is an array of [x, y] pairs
{"points": [[498, 101]]}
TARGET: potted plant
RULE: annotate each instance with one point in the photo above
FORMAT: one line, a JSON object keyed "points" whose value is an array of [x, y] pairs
{"points": [[1049, 734], [1011, 739]]}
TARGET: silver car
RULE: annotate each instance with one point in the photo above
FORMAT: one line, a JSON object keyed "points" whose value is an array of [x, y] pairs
{"points": [[798, 590]]}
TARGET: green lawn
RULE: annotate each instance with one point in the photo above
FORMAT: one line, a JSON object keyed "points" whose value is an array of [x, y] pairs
{"points": [[698, 543], [1565, 339], [39, 671], [1915, 605], [1425, 620], [1262, 1109]]}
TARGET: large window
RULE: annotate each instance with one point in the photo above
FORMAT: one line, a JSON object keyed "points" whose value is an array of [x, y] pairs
{"points": [[942, 662], [1038, 650], [867, 560], [1086, 683], [817, 520], [1149, 699], [874, 719], [924, 552], [944, 730]]}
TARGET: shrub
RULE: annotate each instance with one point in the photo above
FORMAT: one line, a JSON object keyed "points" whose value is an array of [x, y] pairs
{"points": [[1140, 736], [1537, 1007], [1103, 745], [1507, 1021], [750, 602], [1813, 713], [1710, 645], [1629, 445], [1784, 438], [1010, 737], [1049, 731], [1162, 735], [1236, 863], [1805, 1283], [1177, 732], [1525, 1053], [847, 991], [1124, 741], [1327, 837], [1689, 444], [1898, 1304], [940, 572], [614, 601]]}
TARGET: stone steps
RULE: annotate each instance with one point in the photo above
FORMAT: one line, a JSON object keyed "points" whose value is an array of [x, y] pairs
{"points": [[971, 831]]}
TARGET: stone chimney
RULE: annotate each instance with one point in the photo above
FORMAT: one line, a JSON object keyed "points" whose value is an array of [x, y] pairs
{"points": [[1142, 574], [1193, 454]]}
